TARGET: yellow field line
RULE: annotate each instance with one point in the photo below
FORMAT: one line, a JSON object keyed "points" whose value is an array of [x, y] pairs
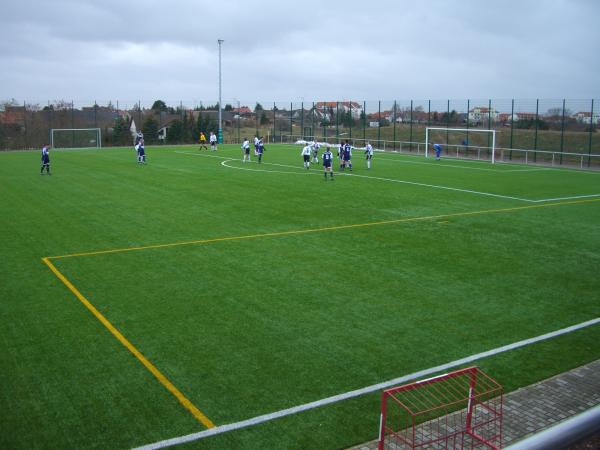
{"points": [[116, 333], [318, 230]]}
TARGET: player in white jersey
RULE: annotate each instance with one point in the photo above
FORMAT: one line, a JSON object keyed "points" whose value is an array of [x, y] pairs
{"points": [[256, 142], [306, 151], [246, 150], [369, 154], [340, 154], [213, 141], [315, 151]]}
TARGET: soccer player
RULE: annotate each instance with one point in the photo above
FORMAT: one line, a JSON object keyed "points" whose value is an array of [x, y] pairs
{"points": [[246, 150], [315, 151], [213, 141], [340, 154], [347, 156], [260, 150], [438, 151], [306, 156], [138, 137], [327, 163], [141, 154], [203, 141], [45, 160], [256, 141], [369, 154]]}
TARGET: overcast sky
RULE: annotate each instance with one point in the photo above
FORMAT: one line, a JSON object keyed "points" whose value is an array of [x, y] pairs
{"points": [[278, 50]]}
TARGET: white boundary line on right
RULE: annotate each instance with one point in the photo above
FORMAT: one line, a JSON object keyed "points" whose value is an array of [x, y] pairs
{"points": [[366, 390]]}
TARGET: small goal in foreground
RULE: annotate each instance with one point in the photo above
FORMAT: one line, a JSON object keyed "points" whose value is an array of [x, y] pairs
{"points": [[458, 410]]}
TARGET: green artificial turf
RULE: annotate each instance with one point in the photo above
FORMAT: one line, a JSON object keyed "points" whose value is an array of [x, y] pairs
{"points": [[255, 288]]}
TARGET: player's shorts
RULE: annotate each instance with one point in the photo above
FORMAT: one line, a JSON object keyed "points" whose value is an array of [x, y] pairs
{"points": [[45, 159], [369, 157], [306, 158], [140, 151], [347, 158], [326, 164], [247, 150]]}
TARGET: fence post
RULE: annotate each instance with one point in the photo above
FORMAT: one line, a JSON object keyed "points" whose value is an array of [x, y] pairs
{"points": [[562, 132], [468, 121], [302, 120], [591, 133], [364, 112], [535, 141], [512, 126], [337, 122], [395, 120], [447, 122], [291, 120], [379, 125], [351, 118], [411, 126]]}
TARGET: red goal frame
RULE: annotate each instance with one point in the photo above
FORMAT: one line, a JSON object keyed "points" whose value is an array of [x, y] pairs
{"points": [[457, 410]]}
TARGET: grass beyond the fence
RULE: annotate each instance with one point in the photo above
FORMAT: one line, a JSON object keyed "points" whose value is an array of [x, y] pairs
{"points": [[254, 288]]}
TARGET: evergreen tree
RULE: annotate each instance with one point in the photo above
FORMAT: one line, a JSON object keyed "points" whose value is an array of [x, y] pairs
{"points": [[175, 132], [264, 119], [150, 129], [121, 134]]}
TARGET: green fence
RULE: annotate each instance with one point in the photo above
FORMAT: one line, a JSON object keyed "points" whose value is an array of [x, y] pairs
{"points": [[554, 126]]}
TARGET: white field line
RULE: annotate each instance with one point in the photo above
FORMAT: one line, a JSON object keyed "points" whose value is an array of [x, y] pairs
{"points": [[366, 390], [224, 164], [414, 183], [565, 198]]}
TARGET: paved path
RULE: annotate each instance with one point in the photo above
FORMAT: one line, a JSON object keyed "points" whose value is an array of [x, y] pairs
{"points": [[534, 408]]}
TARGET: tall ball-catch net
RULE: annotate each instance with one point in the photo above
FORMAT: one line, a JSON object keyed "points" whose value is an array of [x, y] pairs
{"points": [[458, 410]]}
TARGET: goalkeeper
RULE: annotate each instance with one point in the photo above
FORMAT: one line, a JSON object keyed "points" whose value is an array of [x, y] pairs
{"points": [[203, 141]]}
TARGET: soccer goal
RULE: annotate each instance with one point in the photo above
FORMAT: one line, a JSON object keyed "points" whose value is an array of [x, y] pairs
{"points": [[75, 137], [461, 409], [467, 143]]}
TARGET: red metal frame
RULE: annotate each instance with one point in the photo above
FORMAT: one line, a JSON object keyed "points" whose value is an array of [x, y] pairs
{"points": [[455, 410]]}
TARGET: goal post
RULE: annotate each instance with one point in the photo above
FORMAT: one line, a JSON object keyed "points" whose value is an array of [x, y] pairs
{"points": [[460, 409], [470, 143], [76, 137]]}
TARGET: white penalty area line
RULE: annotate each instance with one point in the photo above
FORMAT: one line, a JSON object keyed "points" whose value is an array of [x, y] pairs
{"points": [[366, 390], [391, 180]]}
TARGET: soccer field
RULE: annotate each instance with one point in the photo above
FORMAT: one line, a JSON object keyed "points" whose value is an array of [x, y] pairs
{"points": [[145, 302]]}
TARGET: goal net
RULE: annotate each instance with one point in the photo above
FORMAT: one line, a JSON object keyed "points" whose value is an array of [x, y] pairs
{"points": [[75, 137], [461, 409], [467, 143]]}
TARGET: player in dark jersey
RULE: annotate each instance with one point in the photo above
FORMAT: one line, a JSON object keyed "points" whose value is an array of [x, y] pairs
{"points": [[327, 163], [347, 156], [260, 149], [141, 153], [45, 159], [438, 151]]}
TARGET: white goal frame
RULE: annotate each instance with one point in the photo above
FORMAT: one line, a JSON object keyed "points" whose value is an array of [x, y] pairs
{"points": [[464, 130], [97, 130]]}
